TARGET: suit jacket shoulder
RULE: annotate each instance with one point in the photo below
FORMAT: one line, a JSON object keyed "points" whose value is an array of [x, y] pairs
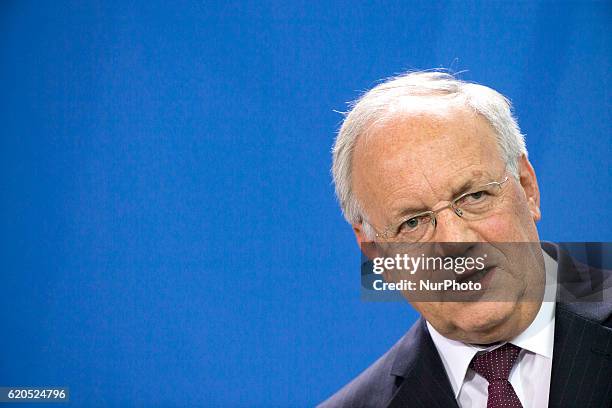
{"points": [[582, 354], [374, 386], [412, 364]]}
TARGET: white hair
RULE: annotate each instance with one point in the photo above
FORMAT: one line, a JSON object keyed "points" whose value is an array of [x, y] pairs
{"points": [[418, 89]]}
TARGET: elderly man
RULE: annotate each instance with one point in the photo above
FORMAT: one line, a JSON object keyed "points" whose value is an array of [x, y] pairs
{"points": [[423, 158]]}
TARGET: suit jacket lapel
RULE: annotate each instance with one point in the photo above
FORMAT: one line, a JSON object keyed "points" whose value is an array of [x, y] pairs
{"points": [[582, 356], [582, 361], [420, 373]]}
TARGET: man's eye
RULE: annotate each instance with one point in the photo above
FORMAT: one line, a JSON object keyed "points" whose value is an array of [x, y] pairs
{"points": [[475, 198], [412, 223]]}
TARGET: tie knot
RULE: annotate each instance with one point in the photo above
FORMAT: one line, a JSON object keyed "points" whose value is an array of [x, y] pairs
{"points": [[496, 364]]}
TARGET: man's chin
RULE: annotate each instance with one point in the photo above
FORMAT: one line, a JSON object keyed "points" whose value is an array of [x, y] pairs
{"points": [[483, 322]]}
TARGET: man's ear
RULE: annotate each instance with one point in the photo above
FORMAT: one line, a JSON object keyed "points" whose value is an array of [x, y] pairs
{"points": [[529, 183], [368, 246]]}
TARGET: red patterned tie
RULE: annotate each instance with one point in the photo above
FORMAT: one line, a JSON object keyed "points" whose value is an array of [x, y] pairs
{"points": [[495, 367]]}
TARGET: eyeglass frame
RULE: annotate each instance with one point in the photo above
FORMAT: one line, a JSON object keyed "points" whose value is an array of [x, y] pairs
{"points": [[433, 213]]}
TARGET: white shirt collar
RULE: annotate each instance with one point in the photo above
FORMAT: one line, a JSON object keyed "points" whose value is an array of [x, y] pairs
{"points": [[538, 338]]}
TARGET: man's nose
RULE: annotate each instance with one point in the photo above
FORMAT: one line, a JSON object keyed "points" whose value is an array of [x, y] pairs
{"points": [[454, 233]]}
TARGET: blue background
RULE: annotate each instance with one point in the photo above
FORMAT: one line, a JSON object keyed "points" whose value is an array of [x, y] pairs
{"points": [[169, 230]]}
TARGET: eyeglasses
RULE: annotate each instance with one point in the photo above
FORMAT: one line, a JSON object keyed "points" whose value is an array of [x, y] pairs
{"points": [[474, 205]]}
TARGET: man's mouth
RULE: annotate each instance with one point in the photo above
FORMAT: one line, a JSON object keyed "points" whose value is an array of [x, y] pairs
{"points": [[482, 276]]}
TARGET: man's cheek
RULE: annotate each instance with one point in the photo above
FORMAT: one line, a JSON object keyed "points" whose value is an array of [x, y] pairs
{"points": [[499, 229]]}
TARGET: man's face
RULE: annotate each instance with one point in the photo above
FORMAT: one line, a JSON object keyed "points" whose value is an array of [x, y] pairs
{"points": [[418, 161]]}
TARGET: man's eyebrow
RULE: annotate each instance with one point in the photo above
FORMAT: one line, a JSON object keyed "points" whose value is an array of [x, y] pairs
{"points": [[407, 211], [463, 188]]}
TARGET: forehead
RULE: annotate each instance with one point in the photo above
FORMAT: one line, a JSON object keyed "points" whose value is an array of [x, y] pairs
{"points": [[420, 155]]}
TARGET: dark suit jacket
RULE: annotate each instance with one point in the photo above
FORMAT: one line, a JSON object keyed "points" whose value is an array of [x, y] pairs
{"points": [[411, 373]]}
